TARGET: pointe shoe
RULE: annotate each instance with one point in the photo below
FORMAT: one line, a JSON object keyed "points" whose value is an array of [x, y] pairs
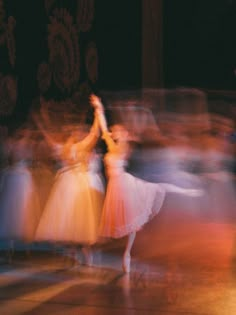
{"points": [[126, 263]]}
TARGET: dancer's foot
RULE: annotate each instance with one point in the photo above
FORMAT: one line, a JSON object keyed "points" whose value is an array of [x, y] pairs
{"points": [[126, 263], [183, 191], [88, 256]]}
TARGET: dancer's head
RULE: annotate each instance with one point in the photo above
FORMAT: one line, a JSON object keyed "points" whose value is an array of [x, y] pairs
{"points": [[120, 133]]}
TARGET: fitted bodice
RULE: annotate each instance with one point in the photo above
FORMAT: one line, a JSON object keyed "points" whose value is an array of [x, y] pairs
{"points": [[73, 157], [80, 160], [115, 164], [84, 159]]}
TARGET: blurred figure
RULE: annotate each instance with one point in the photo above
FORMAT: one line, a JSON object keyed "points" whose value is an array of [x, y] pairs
{"points": [[19, 203], [129, 202], [217, 158], [72, 213], [175, 165]]}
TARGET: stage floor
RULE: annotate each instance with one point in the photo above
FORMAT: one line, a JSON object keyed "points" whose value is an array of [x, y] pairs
{"points": [[188, 269]]}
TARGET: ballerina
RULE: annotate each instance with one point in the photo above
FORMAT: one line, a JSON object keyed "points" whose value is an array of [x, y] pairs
{"points": [[19, 202], [130, 202], [72, 212]]}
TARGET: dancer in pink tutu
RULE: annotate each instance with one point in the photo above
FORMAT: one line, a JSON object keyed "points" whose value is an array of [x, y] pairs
{"points": [[129, 202]]}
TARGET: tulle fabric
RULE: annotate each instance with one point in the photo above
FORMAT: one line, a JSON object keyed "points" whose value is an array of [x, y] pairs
{"points": [[73, 210], [172, 165], [130, 202]]}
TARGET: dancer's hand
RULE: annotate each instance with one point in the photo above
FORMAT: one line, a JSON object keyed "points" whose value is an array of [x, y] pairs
{"points": [[96, 102]]}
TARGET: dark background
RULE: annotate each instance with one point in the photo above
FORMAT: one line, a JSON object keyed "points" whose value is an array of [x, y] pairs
{"points": [[118, 29], [199, 45]]}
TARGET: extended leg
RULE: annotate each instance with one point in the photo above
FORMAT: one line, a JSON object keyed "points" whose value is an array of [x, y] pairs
{"points": [[179, 190]]}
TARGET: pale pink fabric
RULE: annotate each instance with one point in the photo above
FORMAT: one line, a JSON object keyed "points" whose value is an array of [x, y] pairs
{"points": [[130, 202]]}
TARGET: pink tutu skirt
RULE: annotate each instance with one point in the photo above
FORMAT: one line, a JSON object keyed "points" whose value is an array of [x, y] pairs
{"points": [[130, 202]]}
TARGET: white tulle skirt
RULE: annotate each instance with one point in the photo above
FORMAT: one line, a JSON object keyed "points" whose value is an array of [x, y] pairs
{"points": [[72, 212], [19, 204], [130, 202]]}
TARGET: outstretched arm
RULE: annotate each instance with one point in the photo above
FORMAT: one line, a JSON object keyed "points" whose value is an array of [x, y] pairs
{"points": [[91, 139]]}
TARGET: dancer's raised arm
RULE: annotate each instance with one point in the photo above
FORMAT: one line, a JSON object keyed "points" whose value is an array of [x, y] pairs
{"points": [[90, 140], [99, 109], [98, 106]]}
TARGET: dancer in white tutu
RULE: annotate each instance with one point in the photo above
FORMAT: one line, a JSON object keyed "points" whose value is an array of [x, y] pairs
{"points": [[72, 212], [130, 202], [19, 203]]}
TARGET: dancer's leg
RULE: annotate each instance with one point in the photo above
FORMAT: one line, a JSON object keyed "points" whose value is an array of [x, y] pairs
{"points": [[179, 190], [126, 256], [88, 255]]}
